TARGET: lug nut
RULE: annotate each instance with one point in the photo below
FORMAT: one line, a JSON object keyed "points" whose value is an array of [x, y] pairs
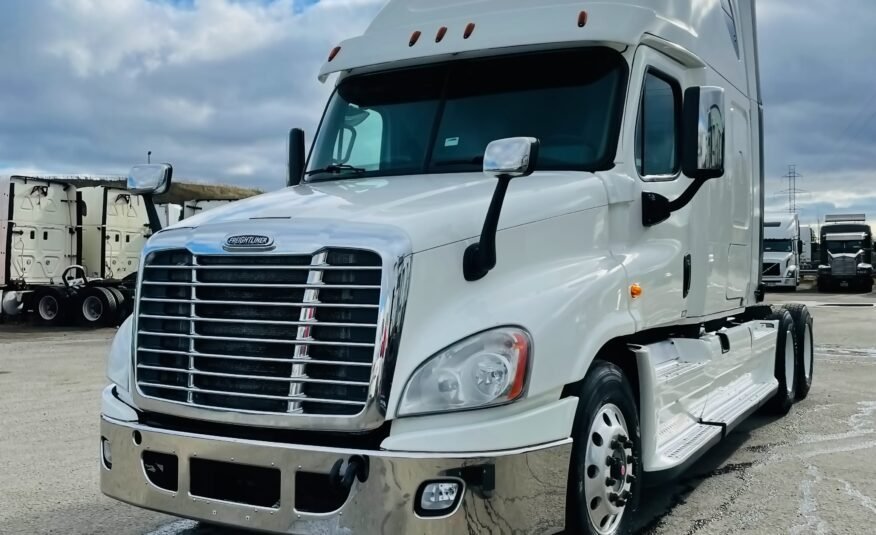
{"points": [[630, 478], [614, 444], [610, 461], [620, 503], [610, 482], [613, 497], [626, 495]]}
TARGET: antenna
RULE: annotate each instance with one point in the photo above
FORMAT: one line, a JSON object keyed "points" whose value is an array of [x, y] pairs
{"points": [[792, 190], [149, 157]]}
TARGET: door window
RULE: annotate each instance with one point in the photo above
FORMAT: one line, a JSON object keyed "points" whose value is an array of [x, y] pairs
{"points": [[657, 129]]}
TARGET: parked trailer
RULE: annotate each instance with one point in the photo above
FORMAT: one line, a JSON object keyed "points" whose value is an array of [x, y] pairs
{"points": [[453, 330], [69, 255], [169, 214], [198, 206], [846, 253], [781, 251], [808, 252]]}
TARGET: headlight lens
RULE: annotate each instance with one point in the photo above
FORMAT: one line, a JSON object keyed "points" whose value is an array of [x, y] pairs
{"points": [[118, 362], [483, 370]]}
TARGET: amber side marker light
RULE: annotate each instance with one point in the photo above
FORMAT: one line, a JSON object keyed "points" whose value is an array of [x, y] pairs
{"points": [[469, 29], [334, 53], [442, 31], [635, 291], [582, 19], [414, 38]]}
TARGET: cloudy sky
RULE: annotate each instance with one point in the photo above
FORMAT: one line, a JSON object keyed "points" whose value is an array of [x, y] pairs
{"points": [[88, 86]]}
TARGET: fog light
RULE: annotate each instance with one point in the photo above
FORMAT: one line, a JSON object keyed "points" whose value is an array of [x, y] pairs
{"points": [[438, 498], [107, 453]]}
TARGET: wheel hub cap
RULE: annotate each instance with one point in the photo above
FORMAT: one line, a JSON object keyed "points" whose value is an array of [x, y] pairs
{"points": [[608, 476]]}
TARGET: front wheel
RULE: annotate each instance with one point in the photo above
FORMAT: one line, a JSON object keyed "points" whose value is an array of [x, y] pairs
{"points": [[604, 476]]}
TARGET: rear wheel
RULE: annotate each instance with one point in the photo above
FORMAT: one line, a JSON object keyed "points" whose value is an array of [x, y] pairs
{"points": [[805, 342], [605, 467], [785, 362], [50, 305], [97, 307], [122, 304]]}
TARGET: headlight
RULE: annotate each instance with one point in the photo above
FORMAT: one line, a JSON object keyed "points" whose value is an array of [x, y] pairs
{"points": [[118, 362], [823, 267], [865, 267], [483, 370]]}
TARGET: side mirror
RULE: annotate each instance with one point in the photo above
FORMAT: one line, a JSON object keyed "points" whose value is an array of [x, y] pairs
{"points": [[296, 157], [703, 141], [505, 159], [150, 179], [511, 157]]}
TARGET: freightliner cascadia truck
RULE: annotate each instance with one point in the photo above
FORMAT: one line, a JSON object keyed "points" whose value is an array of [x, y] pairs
{"points": [[517, 278]]}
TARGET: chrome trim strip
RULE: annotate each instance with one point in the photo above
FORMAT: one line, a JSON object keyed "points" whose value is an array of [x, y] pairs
{"points": [[292, 379], [306, 238], [259, 322], [259, 359], [254, 303], [301, 397], [291, 341], [270, 267], [258, 285]]}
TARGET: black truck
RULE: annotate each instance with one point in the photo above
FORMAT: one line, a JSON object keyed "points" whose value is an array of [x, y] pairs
{"points": [[846, 253]]}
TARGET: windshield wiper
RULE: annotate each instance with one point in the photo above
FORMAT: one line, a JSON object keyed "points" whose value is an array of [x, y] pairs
{"points": [[336, 169]]}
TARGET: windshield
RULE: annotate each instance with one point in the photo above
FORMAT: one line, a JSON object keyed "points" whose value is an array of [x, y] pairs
{"points": [[778, 246], [440, 118], [853, 246]]}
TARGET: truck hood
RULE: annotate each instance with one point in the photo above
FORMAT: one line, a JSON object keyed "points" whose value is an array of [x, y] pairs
{"points": [[433, 210], [776, 257]]}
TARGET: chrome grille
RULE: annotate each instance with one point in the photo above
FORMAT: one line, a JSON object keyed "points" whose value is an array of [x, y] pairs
{"points": [[264, 333], [844, 266]]}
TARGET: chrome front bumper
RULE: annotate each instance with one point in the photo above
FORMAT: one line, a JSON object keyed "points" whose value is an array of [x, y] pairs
{"points": [[529, 493]]}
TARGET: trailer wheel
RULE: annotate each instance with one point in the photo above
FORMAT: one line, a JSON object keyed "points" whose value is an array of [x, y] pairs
{"points": [[605, 470], [97, 307], [805, 341], [786, 362], [51, 306]]}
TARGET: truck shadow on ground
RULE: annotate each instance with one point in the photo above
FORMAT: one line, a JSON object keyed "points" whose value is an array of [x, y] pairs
{"points": [[658, 502]]}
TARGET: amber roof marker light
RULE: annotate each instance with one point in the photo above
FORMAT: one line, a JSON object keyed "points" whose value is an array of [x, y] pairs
{"points": [[415, 37], [442, 31], [582, 19], [334, 53], [469, 29]]}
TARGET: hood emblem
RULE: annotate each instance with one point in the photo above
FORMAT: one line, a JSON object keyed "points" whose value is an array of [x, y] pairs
{"points": [[249, 241]]}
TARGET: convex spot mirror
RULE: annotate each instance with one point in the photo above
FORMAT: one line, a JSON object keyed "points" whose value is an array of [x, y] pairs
{"points": [[704, 114], [150, 178], [511, 157]]}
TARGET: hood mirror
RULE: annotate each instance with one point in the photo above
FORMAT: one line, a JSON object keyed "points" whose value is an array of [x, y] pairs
{"points": [[150, 179]]}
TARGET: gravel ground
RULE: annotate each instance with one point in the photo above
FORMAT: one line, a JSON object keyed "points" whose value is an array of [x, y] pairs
{"points": [[810, 472]]}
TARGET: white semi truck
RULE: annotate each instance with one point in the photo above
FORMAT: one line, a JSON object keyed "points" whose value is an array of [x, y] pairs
{"points": [[782, 248], [169, 213], [519, 272]]}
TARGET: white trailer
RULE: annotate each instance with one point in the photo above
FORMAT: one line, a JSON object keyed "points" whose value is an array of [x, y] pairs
{"points": [[169, 214], [443, 328], [197, 206], [807, 256], [782, 248], [115, 228], [39, 240]]}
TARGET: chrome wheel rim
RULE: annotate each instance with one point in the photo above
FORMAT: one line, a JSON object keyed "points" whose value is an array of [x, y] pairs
{"points": [[789, 361], [92, 308], [808, 353], [49, 307], [609, 469]]}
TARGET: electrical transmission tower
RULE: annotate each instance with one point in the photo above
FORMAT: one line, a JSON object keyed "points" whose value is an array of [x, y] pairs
{"points": [[792, 190]]}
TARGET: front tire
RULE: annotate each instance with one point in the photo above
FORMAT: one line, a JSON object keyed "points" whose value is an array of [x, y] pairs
{"points": [[605, 471], [785, 362]]}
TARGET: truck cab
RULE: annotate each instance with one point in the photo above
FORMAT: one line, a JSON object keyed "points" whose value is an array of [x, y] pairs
{"points": [[846, 253], [782, 251], [518, 270]]}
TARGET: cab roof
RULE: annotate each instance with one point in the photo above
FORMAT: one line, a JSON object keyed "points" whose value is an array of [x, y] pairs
{"points": [[407, 32]]}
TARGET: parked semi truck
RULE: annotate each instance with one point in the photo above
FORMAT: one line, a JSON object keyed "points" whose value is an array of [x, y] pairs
{"points": [[782, 248], [444, 327], [846, 253], [68, 254]]}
